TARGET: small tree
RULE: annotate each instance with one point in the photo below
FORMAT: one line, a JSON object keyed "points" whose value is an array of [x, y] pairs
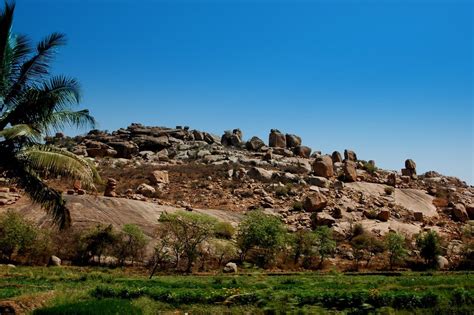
{"points": [[17, 235], [429, 244], [366, 246], [191, 230], [130, 244], [260, 231], [325, 243], [395, 244], [223, 251], [302, 243], [98, 241]]}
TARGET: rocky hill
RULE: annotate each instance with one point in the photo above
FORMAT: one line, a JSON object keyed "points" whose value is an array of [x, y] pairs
{"points": [[149, 169]]}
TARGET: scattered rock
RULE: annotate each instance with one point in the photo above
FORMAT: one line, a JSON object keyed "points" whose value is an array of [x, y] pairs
{"points": [[350, 155], [418, 216], [230, 268], [146, 190], [442, 262], [260, 174], [460, 213], [292, 141], [254, 144], [276, 139], [323, 166], [350, 173], [302, 151], [54, 261], [383, 215], [322, 219], [110, 188], [159, 177], [315, 202], [336, 157]]}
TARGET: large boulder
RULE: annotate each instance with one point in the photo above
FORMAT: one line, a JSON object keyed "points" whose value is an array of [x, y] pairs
{"points": [[410, 169], [315, 202], [260, 174], [392, 179], [54, 261], [302, 151], [146, 190], [254, 144], [322, 219], [350, 172], [159, 177], [125, 149], [470, 211], [276, 139], [230, 268], [150, 143], [350, 155], [99, 149], [442, 262], [410, 164], [292, 141], [460, 213], [323, 166], [318, 181], [233, 138], [383, 215], [336, 157]]}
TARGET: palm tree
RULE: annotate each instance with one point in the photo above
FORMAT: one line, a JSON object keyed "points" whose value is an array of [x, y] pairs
{"points": [[33, 104]]}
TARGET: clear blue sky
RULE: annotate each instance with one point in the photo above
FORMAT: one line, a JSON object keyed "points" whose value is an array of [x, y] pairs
{"points": [[390, 79]]}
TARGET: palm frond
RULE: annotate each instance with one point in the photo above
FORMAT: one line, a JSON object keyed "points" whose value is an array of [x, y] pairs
{"points": [[19, 131], [37, 67], [38, 104], [50, 199], [55, 161], [6, 20], [78, 119]]}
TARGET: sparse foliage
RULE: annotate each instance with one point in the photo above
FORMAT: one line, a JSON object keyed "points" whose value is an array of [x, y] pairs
{"points": [[429, 244], [130, 244], [395, 244], [324, 242], [190, 230]]}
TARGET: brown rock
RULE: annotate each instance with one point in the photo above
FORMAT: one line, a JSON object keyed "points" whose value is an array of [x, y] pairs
{"points": [[410, 164], [383, 215], [322, 219], [470, 211], [323, 166], [292, 141], [460, 213], [159, 177], [81, 192], [350, 173], [254, 144], [350, 155], [146, 190], [276, 139], [392, 179], [336, 157], [70, 192], [314, 203], [302, 151], [110, 188], [418, 216]]}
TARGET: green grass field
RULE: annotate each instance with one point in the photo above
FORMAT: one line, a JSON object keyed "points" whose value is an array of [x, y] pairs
{"points": [[107, 291]]}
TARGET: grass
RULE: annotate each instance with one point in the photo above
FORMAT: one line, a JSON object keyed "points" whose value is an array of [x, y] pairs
{"points": [[106, 291]]}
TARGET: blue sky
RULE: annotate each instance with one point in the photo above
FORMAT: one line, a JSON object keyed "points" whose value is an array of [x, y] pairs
{"points": [[390, 79]]}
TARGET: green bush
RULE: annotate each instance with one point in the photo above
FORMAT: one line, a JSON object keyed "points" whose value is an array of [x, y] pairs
{"points": [[297, 206], [224, 230], [262, 232], [429, 244]]}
